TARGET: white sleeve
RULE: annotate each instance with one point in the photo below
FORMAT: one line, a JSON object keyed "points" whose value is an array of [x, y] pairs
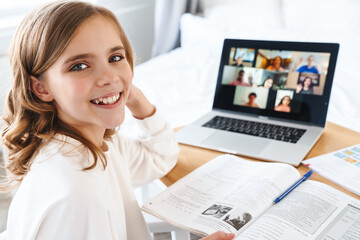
{"points": [[59, 214], [57, 201], [73, 219], [153, 156]]}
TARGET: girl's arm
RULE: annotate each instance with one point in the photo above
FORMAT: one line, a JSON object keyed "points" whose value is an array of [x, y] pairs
{"points": [[156, 153]]}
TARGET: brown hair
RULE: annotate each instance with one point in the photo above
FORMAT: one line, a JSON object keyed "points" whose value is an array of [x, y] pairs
{"points": [[40, 39]]}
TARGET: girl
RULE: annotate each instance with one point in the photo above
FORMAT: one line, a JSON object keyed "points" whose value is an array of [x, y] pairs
{"points": [[306, 87], [276, 65], [284, 105], [268, 83], [72, 66]]}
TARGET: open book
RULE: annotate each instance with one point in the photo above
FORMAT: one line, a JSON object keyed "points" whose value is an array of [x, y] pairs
{"points": [[231, 194]]}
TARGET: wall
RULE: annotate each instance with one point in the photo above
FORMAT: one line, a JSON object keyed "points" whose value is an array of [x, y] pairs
{"points": [[137, 18]]}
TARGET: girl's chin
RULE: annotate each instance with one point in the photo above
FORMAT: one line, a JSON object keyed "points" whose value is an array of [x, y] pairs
{"points": [[114, 120], [114, 124]]}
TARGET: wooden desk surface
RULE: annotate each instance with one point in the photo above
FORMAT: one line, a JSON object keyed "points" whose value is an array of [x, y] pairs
{"points": [[333, 138]]}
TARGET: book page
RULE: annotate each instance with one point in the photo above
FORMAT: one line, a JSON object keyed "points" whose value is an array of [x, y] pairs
{"points": [[341, 167], [345, 226], [306, 213], [222, 195]]}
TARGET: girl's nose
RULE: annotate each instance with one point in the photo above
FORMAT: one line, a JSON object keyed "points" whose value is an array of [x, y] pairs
{"points": [[106, 76]]}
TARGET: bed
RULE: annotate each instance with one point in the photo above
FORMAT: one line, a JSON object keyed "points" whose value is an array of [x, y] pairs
{"points": [[181, 83]]}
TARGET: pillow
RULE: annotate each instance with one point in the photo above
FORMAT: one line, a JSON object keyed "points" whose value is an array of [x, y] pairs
{"points": [[202, 32], [244, 13], [199, 32], [207, 4], [331, 16]]}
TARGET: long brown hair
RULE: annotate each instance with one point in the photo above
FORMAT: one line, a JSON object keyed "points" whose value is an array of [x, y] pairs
{"points": [[40, 39]]}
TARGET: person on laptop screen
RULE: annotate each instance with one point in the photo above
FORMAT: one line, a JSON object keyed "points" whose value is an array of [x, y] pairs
{"points": [[251, 103], [239, 62], [309, 68], [268, 83], [239, 81], [284, 105], [306, 87], [276, 66]]}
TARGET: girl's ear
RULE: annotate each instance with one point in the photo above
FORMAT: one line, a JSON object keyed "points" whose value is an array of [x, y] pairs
{"points": [[39, 88]]}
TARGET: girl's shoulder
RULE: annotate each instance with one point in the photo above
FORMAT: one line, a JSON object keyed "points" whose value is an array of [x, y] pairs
{"points": [[61, 162], [61, 150], [58, 174]]}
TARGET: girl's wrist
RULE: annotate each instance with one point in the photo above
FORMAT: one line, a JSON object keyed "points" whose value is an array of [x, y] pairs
{"points": [[144, 112], [139, 105]]}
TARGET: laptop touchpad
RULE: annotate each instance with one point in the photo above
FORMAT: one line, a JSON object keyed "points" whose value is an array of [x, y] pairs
{"points": [[242, 144]]}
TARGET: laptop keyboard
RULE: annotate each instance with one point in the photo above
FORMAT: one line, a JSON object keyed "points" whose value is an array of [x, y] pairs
{"points": [[276, 132]]}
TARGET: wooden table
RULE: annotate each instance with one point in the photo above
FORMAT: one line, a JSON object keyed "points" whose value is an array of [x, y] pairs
{"points": [[333, 138]]}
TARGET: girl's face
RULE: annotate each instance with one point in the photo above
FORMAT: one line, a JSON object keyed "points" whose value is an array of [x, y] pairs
{"points": [[268, 83], [307, 82], [277, 62], [286, 101], [90, 81]]}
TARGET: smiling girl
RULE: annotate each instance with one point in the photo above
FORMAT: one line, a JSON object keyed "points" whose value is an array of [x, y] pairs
{"points": [[72, 68]]}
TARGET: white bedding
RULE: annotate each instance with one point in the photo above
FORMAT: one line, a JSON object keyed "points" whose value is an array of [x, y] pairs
{"points": [[182, 82]]}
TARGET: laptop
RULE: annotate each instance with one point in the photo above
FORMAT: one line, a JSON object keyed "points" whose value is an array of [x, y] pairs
{"points": [[271, 100]]}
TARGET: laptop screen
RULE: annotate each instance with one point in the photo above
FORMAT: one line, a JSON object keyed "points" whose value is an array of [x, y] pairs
{"points": [[289, 80]]}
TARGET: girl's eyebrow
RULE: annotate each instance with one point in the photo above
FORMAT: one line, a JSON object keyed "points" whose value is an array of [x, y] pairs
{"points": [[117, 48], [77, 57]]}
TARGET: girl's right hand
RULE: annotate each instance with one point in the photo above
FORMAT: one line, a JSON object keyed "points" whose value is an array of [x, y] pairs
{"points": [[299, 88], [219, 236], [138, 104]]}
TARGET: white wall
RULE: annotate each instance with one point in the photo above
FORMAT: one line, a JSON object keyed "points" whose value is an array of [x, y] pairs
{"points": [[137, 19]]}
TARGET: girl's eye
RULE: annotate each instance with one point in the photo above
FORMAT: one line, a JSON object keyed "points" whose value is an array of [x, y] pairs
{"points": [[79, 67], [115, 58]]}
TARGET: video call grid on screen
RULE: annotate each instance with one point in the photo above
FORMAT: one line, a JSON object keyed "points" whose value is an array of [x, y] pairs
{"points": [[289, 80]]}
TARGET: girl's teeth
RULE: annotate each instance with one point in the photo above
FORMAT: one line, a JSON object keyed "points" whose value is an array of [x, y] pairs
{"points": [[107, 100]]}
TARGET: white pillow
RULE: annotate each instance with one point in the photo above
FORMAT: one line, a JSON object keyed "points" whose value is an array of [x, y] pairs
{"points": [[245, 13], [202, 32], [331, 16], [207, 4], [199, 32]]}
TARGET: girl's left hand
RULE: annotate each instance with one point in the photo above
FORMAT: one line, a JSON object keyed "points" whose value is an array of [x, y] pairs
{"points": [[138, 104], [219, 236]]}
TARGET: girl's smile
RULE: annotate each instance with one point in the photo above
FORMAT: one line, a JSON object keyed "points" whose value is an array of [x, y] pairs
{"points": [[107, 99]]}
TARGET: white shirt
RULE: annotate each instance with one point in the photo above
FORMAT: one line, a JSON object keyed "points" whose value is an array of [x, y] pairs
{"points": [[58, 200]]}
